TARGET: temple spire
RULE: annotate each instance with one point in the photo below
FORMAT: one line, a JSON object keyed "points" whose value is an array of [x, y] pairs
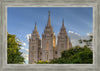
{"points": [[35, 29], [63, 24], [49, 21], [35, 32], [63, 29], [49, 13], [48, 27]]}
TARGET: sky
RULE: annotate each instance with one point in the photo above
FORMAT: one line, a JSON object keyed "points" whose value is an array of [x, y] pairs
{"points": [[21, 22]]}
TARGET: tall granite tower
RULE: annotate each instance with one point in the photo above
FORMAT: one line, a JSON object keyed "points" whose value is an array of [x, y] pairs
{"points": [[34, 46], [48, 42], [63, 42]]}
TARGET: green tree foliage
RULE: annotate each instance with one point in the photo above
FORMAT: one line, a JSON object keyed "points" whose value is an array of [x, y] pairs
{"points": [[14, 56], [77, 55], [87, 41]]}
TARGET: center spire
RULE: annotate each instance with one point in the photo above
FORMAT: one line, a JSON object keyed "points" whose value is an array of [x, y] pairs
{"points": [[63, 23], [35, 29], [49, 13], [49, 21]]}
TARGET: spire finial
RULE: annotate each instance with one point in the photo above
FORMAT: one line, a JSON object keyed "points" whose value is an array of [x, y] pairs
{"points": [[35, 26], [49, 21], [49, 13], [63, 22]]}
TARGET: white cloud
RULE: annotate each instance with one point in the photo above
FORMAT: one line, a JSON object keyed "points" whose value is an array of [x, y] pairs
{"points": [[25, 56], [27, 36], [27, 50], [24, 44], [77, 34], [22, 48], [75, 37], [89, 34], [76, 42], [70, 32]]}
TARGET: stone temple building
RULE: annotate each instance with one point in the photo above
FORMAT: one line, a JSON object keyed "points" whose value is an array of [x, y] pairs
{"points": [[46, 49]]}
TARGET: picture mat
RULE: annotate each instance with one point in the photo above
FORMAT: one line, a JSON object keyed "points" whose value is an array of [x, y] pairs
{"points": [[71, 67]]}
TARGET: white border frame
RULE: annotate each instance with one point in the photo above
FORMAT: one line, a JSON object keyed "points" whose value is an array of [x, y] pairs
{"points": [[37, 3]]}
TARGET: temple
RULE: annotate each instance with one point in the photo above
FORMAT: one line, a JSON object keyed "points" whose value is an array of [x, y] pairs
{"points": [[46, 49]]}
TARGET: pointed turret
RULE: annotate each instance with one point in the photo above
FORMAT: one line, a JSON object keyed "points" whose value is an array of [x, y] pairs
{"points": [[48, 41], [48, 27], [63, 29], [49, 21], [34, 46], [35, 29], [35, 32], [63, 24], [63, 40]]}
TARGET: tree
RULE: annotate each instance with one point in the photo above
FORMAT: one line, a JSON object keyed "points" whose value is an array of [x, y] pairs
{"points": [[76, 55], [83, 56], [14, 56], [88, 42]]}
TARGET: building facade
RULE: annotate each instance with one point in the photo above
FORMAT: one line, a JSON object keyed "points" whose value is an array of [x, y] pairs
{"points": [[34, 46], [48, 49], [63, 42]]}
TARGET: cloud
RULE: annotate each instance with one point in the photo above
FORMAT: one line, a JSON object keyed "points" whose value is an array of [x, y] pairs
{"points": [[22, 48], [24, 44], [76, 42], [75, 37], [25, 56], [27, 50], [89, 34], [27, 36], [77, 34], [70, 32]]}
